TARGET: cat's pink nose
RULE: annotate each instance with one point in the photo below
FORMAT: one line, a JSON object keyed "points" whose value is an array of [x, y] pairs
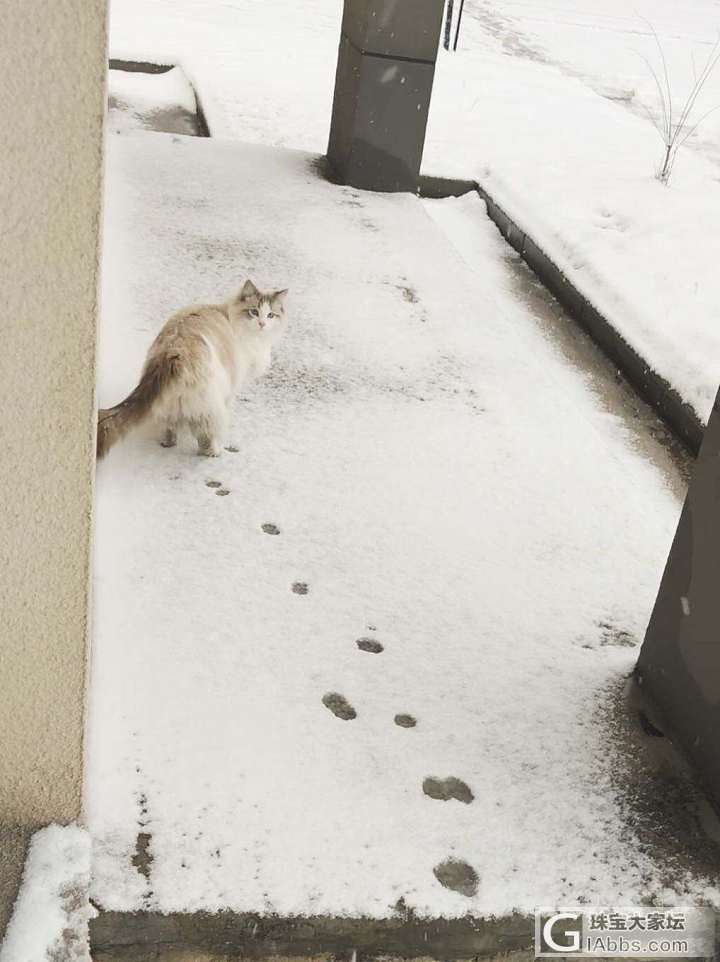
{"points": [[261, 323]]}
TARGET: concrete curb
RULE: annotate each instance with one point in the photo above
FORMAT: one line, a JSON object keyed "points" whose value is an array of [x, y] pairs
{"points": [[652, 388], [144, 66], [125, 935]]}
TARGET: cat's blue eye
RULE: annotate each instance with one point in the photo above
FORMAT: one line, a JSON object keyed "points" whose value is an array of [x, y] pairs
{"points": [[270, 314], [254, 312]]}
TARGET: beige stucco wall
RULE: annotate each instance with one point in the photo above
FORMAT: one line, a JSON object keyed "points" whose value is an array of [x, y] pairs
{"points": [[53, 57]]}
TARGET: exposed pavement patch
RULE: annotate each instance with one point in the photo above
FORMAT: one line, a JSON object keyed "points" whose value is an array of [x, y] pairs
{"points": [[300, 587], [142, 858]]}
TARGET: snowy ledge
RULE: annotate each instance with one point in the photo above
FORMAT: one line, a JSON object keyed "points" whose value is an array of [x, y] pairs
{"points": [[680, 416]]}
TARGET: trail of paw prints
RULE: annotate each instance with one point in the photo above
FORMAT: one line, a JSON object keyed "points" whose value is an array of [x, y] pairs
{"points": [[217, 486], [454, 874], [272, 529], [372, 646]]}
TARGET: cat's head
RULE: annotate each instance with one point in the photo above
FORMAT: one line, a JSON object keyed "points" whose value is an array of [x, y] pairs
{"points": [[261, 311]]}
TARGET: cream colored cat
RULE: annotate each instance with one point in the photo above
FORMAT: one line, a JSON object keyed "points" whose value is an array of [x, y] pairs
{"points": [[195, 364]]}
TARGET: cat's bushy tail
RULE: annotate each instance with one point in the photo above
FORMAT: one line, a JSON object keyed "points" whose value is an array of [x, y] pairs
{"points": [[114, 423]]}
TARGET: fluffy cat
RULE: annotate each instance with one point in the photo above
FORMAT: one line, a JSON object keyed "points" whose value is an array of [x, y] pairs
{"points": [[194, 366]]}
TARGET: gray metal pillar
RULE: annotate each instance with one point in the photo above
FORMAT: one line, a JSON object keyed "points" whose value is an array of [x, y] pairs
{"points": [[383, 84], [679, 665]]}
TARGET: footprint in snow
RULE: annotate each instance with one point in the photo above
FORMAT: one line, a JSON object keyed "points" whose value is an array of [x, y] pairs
{"points": [[457, 875], [405, 721], [615, 636], [339, 706], [369, 644], [409, 294], [443, 789]]}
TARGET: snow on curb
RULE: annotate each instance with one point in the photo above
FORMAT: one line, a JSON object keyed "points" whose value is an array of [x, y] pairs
{"points": [[50, 921], [152, 91], [682, 418], [141, 100], [575, 171]]}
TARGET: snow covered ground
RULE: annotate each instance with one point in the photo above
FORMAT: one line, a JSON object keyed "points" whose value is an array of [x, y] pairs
{"points": [[422, 470], [545, 103], [50, 919], [550, 100], [264, 72]]}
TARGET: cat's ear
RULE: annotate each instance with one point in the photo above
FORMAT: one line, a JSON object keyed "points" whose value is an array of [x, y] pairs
{"points": [[248, 291], [279, 297]]}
